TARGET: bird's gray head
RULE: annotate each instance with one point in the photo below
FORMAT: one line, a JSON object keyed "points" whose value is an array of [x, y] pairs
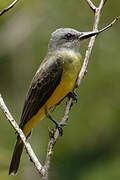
{"points": [[68, 38]]}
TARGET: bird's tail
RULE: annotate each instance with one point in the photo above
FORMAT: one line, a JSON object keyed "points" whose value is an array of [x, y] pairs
{"points": [[16, 157]]}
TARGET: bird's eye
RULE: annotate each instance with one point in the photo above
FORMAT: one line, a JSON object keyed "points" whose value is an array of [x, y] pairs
{"points": [[68, 36]]}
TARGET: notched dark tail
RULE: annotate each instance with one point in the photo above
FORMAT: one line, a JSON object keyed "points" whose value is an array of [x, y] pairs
{"points": [[16, 157]]}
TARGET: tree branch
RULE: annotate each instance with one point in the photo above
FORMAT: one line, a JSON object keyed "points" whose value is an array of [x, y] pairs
{"points": [[30, 152], [111, 24], [89, 49], [91, 5], [9, 7], [54, 135]]}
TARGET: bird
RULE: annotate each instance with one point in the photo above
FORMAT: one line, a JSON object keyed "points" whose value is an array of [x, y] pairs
{"points": [[53, 81]]}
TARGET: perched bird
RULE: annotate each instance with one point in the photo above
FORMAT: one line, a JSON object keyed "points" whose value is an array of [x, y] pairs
{"points": [[53, 81]]}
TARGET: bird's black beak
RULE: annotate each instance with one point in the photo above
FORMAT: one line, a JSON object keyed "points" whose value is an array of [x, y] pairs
{"points": [[85, 35]]}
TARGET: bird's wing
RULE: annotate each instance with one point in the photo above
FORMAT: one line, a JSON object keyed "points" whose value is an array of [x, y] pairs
{"points": [[42, 86]]}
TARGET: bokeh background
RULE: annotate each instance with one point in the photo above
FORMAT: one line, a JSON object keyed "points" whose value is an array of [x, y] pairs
{"points": [[90, 146]]}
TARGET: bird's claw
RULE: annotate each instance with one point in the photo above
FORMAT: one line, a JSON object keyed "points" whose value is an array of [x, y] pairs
{"points": [[73, 96], [60, 126]]}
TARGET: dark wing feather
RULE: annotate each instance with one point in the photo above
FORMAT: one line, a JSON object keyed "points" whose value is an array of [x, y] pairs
{"points": [[42, 86]]}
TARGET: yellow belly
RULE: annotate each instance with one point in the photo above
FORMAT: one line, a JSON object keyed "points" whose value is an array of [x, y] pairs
{"points": [[65, 86], [69, 76]]}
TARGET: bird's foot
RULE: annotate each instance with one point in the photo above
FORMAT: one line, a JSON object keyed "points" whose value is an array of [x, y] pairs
{"points": [[60, 126], [72, 95]]}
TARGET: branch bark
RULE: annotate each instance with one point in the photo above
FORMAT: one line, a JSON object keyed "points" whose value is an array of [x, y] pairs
{"points": [[30, 152], [9, 7], [92, 6], [54, 135]]}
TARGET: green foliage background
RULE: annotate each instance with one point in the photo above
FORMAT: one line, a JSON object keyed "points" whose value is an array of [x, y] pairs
{"points": [[90, 146]]}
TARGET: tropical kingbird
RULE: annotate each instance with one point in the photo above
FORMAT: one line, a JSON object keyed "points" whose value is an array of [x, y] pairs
{"points": [[53, 81]]}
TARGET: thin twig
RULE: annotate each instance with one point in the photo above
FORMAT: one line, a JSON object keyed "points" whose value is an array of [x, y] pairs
{"points": [[104, 2], [90, 45], [9, 7], [110, 25], [11, 120], [91, 5], [89, 49], [53, 140]]}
